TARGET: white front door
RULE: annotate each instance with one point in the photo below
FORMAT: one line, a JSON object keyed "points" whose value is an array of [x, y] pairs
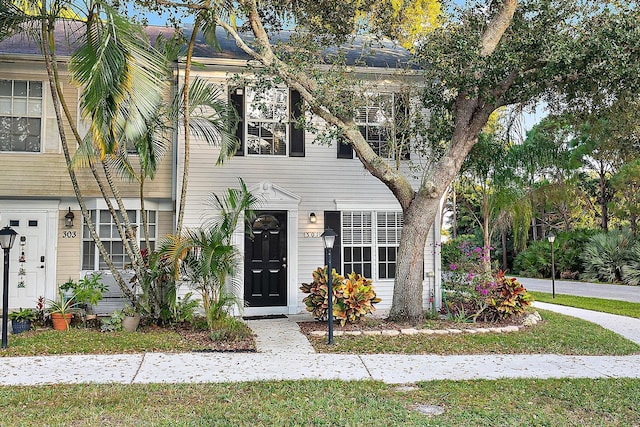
{"points": [[27, 258]]}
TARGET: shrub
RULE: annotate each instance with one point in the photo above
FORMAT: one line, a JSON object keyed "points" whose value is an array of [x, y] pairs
{"points": [[228, 328], [451, 252], [353, 298], [509, 298], [88, 291], [631, 271], [535, 261], [471, 293], [607, 255]]}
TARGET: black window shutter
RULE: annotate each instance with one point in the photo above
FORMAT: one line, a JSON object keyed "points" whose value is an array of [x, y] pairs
{"points": [[332, 221], [236, 97], [402, 121], [296, 146], [345, 150]]}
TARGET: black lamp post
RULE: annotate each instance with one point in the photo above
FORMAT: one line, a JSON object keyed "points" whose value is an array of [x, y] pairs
{"points": [[7, 237], [328, 239], [551, 239]]}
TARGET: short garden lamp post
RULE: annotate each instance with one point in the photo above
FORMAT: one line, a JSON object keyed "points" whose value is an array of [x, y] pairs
{"points": [[328, 239], [7, 237], [552, 239]]}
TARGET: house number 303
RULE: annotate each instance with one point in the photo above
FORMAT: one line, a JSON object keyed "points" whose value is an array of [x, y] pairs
{"points": [[69, 234]]}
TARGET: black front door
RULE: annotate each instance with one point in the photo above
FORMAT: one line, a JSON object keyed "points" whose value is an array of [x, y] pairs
{"points": [[265, 260]]}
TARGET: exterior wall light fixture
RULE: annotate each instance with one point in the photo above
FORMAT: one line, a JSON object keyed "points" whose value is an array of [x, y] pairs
{"points": [[68, 218]]}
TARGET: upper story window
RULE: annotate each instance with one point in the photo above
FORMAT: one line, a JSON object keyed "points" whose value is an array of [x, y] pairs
{"points": [[375, 121], [20, 115], [381, 123], [268, 121], [108, 232]]}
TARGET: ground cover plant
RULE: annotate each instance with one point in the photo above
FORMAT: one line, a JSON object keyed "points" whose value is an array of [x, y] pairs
{"points": [[567, 402], [557, 334], [622, 308]]}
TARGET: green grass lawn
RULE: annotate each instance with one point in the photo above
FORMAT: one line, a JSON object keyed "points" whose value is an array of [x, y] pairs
{"points": [[91, 341], [566, 402], [558, 334], [623, 308]]}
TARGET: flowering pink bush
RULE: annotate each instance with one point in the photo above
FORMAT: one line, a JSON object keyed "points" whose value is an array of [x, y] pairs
{"points": [[471, 293]]}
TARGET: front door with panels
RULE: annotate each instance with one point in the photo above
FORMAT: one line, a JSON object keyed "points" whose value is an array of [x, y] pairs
{"points": [[27, 266], [265, 265]]}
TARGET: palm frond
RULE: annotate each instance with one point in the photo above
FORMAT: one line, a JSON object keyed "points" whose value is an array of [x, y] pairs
{"points": [[122, 78]]}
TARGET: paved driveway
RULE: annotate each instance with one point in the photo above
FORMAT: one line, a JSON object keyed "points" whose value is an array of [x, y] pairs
{"points": [[596, 290]]}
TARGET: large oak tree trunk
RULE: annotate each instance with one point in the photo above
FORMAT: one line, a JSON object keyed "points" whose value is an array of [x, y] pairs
{"points": [[407, 298]]}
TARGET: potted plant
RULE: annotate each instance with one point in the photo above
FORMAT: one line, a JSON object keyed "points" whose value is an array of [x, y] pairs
{"points": [[21, 319], [87, 292], [131, 319], [60, 312]]}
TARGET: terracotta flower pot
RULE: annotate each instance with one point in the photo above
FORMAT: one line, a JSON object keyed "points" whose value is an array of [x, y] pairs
{"points": [[61, 323]]}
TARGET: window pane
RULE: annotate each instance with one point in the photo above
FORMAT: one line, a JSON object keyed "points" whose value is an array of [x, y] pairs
{"points": [[5, 87], [105, 217], [19, 106], [88, 255], [20, 88], [105, 231], [35, 89], [5, 106], [392, 254], [35, 107]]}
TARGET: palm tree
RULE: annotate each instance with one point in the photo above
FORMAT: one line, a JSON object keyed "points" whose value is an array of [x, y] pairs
{"points": [[208, 256], [119, 75]]}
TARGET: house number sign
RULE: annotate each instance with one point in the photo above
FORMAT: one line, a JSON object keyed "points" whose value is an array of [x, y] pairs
{"points": [[69, 234], [312, 234]]}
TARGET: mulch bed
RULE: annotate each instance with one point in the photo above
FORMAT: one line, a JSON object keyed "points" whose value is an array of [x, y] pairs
{"points": [[202, 342]]}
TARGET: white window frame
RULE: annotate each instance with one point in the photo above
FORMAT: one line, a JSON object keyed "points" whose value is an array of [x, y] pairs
{"points": [[260, 108], [32, 109], [377, 118], [105, 225], [365, 230]]}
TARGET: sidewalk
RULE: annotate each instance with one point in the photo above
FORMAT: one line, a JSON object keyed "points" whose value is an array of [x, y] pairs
{"points": [[284, 354]]}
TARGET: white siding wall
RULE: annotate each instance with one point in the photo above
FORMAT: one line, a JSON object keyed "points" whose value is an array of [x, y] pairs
{"points": [[320, 180]]}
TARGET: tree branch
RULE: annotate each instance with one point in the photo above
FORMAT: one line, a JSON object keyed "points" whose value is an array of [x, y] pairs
{"points": [[497, 27]]}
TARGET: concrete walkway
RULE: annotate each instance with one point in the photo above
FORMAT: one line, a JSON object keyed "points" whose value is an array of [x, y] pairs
{"points": [[628, 327], [287, 356]]}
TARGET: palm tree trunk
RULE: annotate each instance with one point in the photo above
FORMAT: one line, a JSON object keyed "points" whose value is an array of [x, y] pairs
{"points": [[48, 51], [187, 144]]}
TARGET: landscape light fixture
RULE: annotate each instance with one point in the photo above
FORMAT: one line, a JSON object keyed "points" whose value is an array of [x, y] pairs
{"points": [[552, 239], [7, 237], [328, 239]]}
